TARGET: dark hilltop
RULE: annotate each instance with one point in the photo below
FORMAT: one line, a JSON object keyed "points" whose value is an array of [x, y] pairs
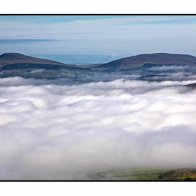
{"points": [[16, 58], [150, 59]]}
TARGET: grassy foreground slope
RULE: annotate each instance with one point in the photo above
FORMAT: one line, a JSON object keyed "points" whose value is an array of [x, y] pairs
{"points": [[148, 175]]}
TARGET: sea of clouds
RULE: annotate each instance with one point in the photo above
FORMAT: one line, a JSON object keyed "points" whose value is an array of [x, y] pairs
{"points": [[68, 132]]}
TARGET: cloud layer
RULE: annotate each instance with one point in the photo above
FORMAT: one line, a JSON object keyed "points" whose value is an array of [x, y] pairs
{"points": [[50, 131]]}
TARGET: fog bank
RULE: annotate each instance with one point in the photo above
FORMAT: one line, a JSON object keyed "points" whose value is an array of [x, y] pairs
{"points": [[67, 132]]}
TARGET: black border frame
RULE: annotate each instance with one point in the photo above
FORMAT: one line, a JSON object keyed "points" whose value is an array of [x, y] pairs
{"points": [[92, 14]]}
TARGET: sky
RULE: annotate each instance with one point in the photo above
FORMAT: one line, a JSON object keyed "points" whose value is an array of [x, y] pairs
{"points": [[122, 35]]}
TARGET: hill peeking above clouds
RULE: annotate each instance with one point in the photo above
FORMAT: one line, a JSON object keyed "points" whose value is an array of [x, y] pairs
{"points": [[150, 59], [145, 67], [17, 60]]}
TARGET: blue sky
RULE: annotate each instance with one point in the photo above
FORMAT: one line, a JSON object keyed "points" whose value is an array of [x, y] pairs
{"points": [[97, 35]]}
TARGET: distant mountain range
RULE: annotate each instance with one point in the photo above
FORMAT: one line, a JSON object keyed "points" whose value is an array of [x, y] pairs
{"points": [[10, 61]]}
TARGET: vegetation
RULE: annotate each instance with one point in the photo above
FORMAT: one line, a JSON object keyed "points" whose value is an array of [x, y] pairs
{"points": [[148, 175]]}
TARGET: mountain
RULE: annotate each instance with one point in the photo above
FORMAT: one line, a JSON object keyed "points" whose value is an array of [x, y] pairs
{"points": [[12, 61], [16, 58], [149, 59], [15, 64]]}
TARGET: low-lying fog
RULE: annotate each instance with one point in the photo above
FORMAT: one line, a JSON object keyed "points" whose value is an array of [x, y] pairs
{"points": [[56, 132]]}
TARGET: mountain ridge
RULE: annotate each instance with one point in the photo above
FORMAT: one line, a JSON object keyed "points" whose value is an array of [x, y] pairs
{"points": [[17, 60], [153, 59]]}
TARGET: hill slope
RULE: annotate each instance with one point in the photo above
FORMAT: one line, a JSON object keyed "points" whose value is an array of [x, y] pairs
{"points": [[15, 64], [16, 58], [152, 59]]}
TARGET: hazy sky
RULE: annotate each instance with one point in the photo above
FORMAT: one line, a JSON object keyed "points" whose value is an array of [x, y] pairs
{"points": [[97, 35]]}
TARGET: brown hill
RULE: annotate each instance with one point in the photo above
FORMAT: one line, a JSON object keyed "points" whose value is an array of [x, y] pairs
{"points": [[153, 59], [16, 58]]}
